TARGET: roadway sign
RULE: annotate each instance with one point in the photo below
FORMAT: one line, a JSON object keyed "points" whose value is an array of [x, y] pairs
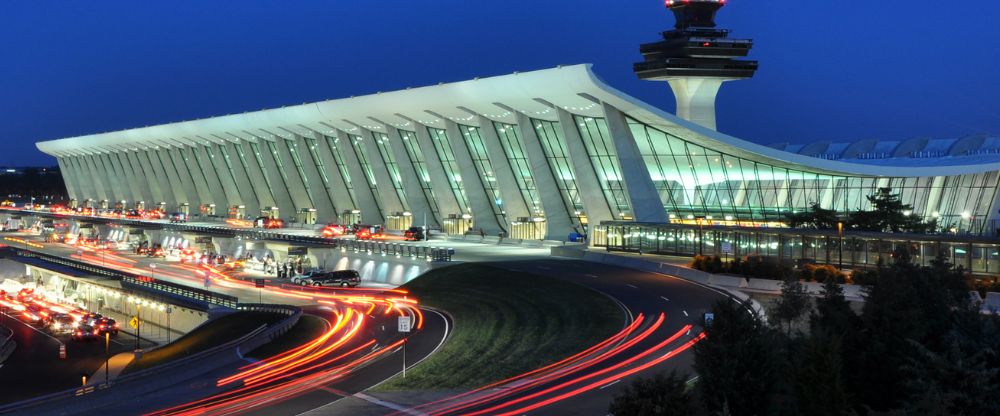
{"points": [[727, 248], [709, 317], [62, 351], [134, 322], [404, 324], [259, 282]]}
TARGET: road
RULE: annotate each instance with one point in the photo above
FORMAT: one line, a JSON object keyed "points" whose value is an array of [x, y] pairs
{"points": [[585, 384], [35, 369]]}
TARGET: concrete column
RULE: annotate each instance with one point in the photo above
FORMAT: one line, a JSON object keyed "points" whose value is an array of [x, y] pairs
{"points": [[69, 178], [201, 190], [181, 180], [167, 190], [247, 194], [696, 98], [413, 187], [220, 195], [387, 190], [558, 217], [278, 188], [79, 177], [594, 201], [113, 189], [513, 200], [99, 183], [150, 195], [934, 198], [371, 213], [298, 189], [127, 177], [326, 210], [227, 180], [480, 201], [642, 194], [339, 193], [251, 179], [120, 187], [446, 200], [86, 178]]}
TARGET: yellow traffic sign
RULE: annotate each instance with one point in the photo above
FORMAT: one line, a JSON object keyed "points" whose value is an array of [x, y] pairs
{"points": [[134, 322]]}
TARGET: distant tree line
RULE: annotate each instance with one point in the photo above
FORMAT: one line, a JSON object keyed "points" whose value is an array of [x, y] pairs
{"points": [[918, 346], [888, 214], [38, 182]]}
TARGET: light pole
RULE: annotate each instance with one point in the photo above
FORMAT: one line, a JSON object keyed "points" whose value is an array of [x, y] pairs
{"points": [[701, 233], [107, 357], [840, 243]]}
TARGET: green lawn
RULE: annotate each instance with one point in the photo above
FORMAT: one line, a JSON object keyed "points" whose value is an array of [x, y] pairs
{"points": [[505, 324], [213, 333], [307, 329]]}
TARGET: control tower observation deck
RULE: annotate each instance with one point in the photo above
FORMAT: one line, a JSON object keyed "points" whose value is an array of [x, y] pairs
{"points": [[695, 58]]}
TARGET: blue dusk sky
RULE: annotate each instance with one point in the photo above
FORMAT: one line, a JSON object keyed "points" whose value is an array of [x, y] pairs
{"points": [[829, 70]]}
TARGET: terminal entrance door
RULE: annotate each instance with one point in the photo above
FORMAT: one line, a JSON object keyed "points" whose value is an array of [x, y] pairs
{"points": [[457, 224], [104, 204], [184, 208], [140, 205], [528, 229], [307, 216], [399, 221], [350, 217]]}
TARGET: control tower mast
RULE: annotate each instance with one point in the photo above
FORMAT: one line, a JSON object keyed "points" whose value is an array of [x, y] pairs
{"points": [[695, 58]]}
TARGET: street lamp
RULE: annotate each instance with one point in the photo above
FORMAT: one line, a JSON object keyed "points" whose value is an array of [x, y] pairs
{"points": [[701, 243], [840, 243], [107, 358]]}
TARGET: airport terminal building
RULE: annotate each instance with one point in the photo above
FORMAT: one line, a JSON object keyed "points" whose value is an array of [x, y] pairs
{"points": [[535, 155]]}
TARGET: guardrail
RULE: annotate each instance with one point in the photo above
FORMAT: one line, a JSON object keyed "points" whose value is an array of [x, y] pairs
{"points": [[128, 387], [191, 293], [431, 253]]}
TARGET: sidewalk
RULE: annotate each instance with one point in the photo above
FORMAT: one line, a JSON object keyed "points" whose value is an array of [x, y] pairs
{"points": [[117, 365]]}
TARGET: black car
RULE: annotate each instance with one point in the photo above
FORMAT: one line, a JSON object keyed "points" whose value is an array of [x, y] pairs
{"points": [[106, 326], [85, 333], [342, 278]]}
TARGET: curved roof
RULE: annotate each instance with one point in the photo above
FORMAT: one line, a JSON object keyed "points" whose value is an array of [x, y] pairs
{"points": [[573, 88]]}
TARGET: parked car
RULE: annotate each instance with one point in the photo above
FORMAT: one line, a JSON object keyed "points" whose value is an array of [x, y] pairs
{"points": [[106, 326], [297, 279], [342, 278], [62, 323], [178, 217]]}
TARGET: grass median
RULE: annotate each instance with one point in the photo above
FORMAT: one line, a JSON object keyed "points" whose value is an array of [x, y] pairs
{"points": [[506, 323], [213, 333]]}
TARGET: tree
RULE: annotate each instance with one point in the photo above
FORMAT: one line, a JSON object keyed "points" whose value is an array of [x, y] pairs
{"points": [[736, 362], [889, 213], [660, 395], [820, 388], [816, 217], [833, 315], [793, 303]]}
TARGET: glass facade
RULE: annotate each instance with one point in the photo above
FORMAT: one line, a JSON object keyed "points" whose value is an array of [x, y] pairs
{"points": [[293, 150], [366, 167], [338, 158], [317, 161], [477, 149], [554, 145], [382, 140], [604, 159], [980, 256], [443, 148], [693, 180], [519, 163], [420, 167]]}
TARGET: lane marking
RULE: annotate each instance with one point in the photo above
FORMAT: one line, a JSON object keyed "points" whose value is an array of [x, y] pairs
{"points": [[592, 275], [609, 384], [631, 286], [686, 313], [665, 298]]}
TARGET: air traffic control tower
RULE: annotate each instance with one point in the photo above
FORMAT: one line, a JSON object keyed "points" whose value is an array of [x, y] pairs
{"points": [[695, 58]]}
